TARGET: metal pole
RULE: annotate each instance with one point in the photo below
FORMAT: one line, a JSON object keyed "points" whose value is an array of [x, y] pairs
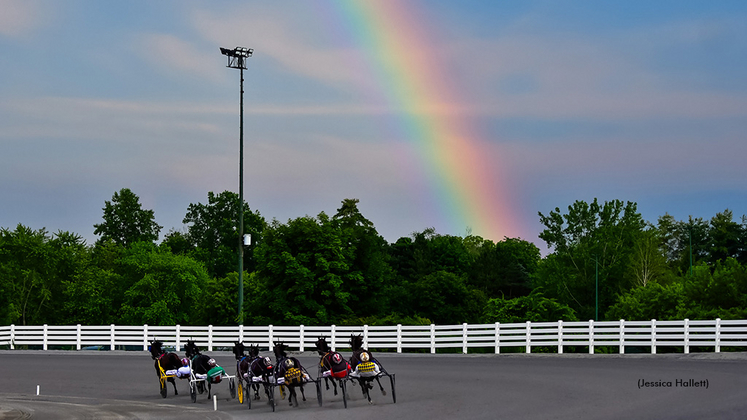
{"points": [[241, 200], [596, 277], [691, 251]]}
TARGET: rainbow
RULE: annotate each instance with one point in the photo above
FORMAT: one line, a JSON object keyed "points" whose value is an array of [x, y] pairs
{"points": [[460, 172]]}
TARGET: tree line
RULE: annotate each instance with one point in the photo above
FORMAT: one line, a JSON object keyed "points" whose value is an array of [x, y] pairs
{"points": [[605, 262]]}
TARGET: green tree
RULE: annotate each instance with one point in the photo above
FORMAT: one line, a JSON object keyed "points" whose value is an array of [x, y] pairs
{"points": [[213, 233], [445, 298], [162, 288], [725, 237], [589, 237], [655, 301], [534, 307], [647, 261], [125, 221], [506, 268], [302, 267], [365, 252]]}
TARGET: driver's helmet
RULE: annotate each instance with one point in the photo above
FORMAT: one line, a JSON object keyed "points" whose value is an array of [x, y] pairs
{"points": [[212, 363], [289, 363], [185, 362], [365, 357]]}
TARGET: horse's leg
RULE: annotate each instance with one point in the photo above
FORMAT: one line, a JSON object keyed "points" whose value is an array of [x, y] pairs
{"points": [[366, 390], [267, 392], [326, 383], [380, 387], [292, 396], [173, 382], [282, 392], [255, 387], [334, 385], [302, 394], [210, 389]]}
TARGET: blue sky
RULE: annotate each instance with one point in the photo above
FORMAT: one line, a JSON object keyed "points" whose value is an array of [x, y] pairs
{"points": [[638, 101]]}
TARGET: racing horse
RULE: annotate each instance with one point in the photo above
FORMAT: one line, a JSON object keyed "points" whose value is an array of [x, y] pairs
{"points": [[365, 367], [202, 364], [253, 366], [167, 361], [331, 362], [292, 372]]}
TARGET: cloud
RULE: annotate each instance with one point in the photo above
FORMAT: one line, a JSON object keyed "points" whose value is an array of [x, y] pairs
{"points": [[172, 54], [21, 17], [287, 39], [554, 76]]}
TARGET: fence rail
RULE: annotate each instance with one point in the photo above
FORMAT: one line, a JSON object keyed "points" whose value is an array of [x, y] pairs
{"points": [[622, 334]]}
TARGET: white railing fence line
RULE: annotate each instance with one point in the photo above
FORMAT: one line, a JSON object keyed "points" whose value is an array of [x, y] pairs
{"points": [[561, 334]]}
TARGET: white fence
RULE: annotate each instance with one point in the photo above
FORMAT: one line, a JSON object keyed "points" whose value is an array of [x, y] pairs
{"points": [[638, 334]]}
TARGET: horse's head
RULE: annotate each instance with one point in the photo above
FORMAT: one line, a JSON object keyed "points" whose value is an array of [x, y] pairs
{"points": [[238, 350], [279, 350], [253, 351], [156, 349], [266, 364], [321, 346], [191, 349], [356, 342]]}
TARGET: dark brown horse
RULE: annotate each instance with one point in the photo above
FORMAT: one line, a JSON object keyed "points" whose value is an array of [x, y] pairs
{"points": [[292, 372], [167, 361], [332, 364], [365, 367], [254, 366], [201, 363]]}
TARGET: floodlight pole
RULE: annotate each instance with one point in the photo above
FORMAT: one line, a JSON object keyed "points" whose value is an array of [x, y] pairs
{"points": [[596, 281], [237, 60]]}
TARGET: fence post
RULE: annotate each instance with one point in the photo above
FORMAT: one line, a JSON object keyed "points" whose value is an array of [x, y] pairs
{"points": [[591, 336], [77, 339], [241, 333], [300, 344], [365, 336], [687, 336], [653, 336], [433, 338], [622, 336], [178, 343], [464, 338], [270, 335], [560, 336], [12, 336], [45, 337], [497, 338], [718, 335], [145, 337], [529, 337], [210, 337], [111, 328], [399, 338]]}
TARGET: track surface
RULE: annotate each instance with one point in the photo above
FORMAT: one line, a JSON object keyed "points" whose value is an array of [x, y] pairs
{"points": [[117, 384]]}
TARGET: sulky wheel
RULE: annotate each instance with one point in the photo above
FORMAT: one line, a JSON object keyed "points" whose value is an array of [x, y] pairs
{"points": [[240, 392], [232, 387], [319, 391], [394, 393], [193, 391], [272, 397], [163, 388]]}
